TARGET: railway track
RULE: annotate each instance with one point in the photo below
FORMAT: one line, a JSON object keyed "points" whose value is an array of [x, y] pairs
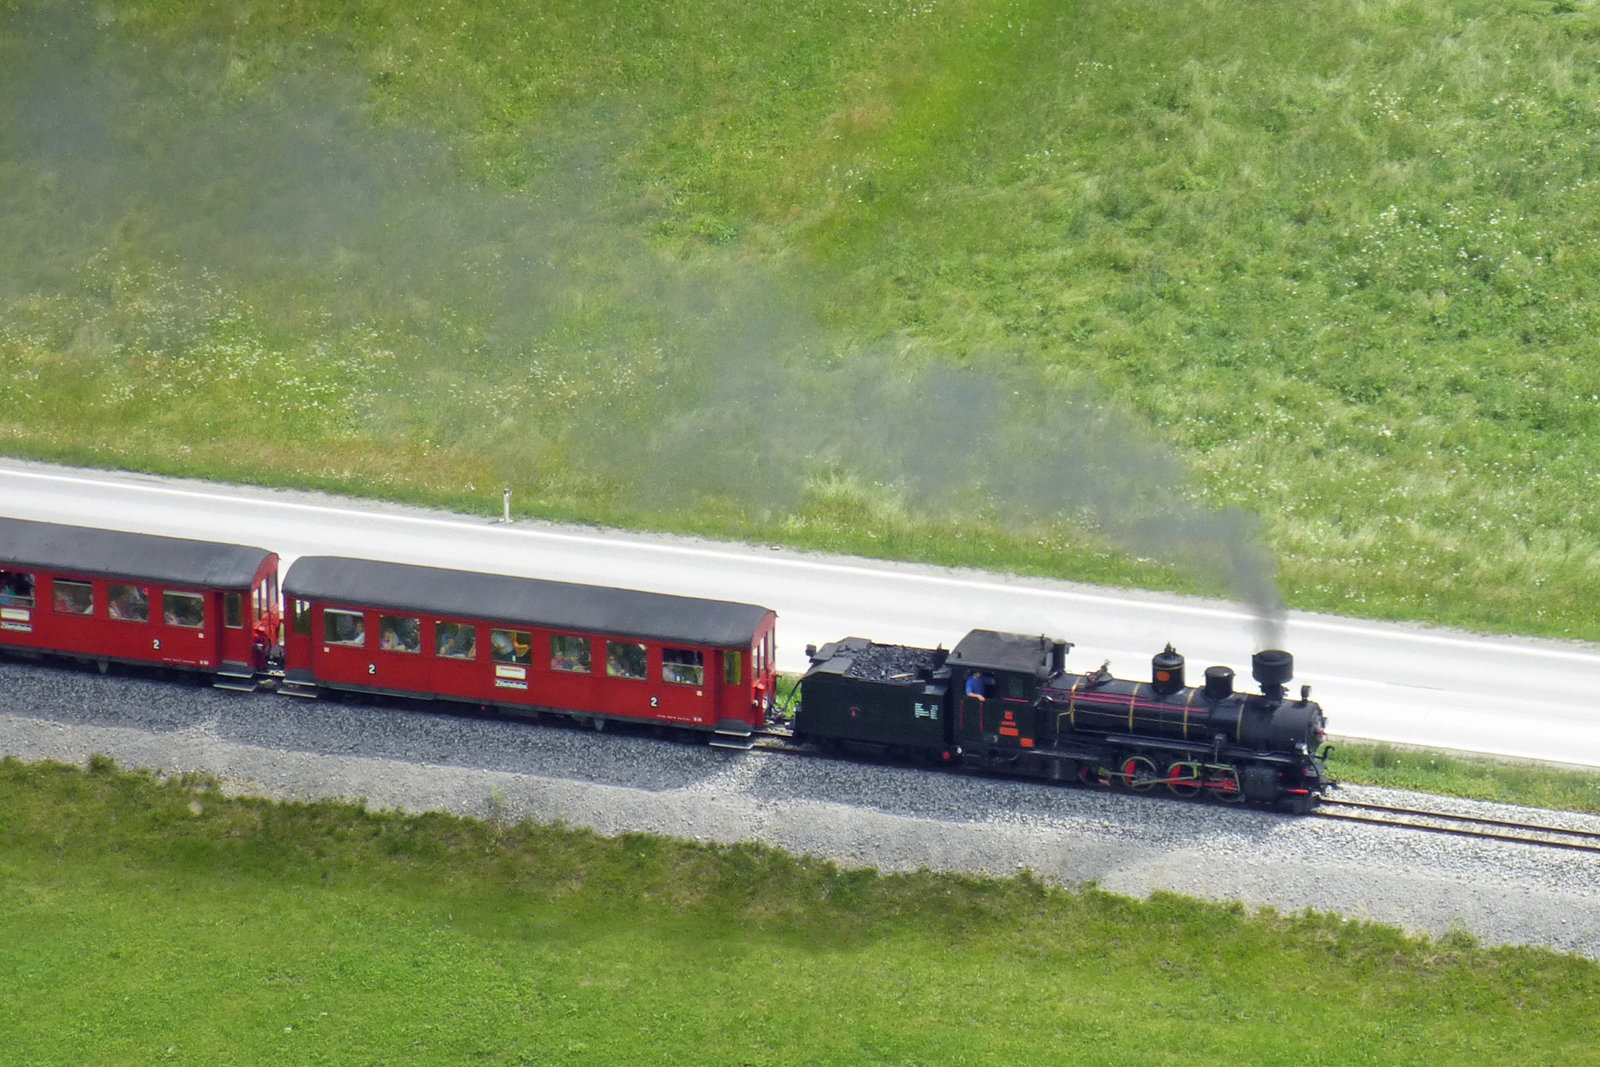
{"points": [[1438, 822]]}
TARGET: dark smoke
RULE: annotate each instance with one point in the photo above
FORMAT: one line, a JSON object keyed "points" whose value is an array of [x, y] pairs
{"points": [[1004, 440]]}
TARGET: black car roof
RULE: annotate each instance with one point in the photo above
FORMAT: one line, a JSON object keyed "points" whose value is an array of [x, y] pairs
{"points": [[111, 553], [535, 602], [995, 651]]}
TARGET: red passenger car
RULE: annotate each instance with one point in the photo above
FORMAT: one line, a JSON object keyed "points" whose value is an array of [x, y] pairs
{"points": [[523, 644], [101, 596]]}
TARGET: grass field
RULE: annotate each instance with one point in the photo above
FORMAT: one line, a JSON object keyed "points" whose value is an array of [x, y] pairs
{"points": [[1180, 295], [1097, 291], [148, 922]]}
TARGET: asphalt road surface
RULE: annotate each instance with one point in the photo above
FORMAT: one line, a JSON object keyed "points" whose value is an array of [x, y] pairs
{"points": [[1410, 685]]}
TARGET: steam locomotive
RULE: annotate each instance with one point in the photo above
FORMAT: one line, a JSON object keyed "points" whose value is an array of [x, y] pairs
{"points": [[523, 646], [1007, 702]]}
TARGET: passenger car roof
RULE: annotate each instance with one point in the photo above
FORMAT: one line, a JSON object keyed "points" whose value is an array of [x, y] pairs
{"points": [[82, 550], [535, 602]]}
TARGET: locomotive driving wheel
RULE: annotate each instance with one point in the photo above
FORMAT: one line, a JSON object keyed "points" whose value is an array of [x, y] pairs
{"points": [[1183, 779], [1139, 773], [1224, 785]]}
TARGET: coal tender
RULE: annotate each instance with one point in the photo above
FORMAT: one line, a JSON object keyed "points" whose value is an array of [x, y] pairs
{"points": [[1007, 702]]}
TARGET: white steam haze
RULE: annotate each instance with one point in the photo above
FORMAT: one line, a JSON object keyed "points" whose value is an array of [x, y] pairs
{"points": [[675, 379]]}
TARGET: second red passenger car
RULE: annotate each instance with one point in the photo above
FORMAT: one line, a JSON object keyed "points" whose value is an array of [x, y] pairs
{"points": [[524, 644]]}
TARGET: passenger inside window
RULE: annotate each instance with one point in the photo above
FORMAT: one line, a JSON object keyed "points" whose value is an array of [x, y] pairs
{"points": [[129, 603], [399, 634], [183, 609], [682, 666], [569, 653], [625, 660], [16, 589], [74, 598], [511, 646], [344, 628], [456, 640]]}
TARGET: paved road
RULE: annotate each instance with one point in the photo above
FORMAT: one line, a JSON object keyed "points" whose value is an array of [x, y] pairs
{"points": [[1410, 685]]}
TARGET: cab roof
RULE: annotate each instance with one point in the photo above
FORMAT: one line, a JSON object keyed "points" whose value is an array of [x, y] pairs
{"points": [[992, 650]]}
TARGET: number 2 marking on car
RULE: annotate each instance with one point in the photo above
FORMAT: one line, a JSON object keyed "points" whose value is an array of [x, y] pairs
{"points": [[655, 702], [372, 668]]}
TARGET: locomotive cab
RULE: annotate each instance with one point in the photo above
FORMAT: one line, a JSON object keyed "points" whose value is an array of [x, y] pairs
{"points": [[997, 678]]}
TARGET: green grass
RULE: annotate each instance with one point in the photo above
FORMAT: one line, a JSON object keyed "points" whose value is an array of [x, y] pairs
{"points": [[1475, 778], [149, 921], [844, 275]]}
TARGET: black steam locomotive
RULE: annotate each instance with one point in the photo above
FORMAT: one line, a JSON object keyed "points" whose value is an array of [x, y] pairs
{"points": [[1007, 702]]}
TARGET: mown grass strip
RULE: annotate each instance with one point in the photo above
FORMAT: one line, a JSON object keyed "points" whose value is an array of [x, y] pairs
{"points": [[146, 921], [1533, 785]]}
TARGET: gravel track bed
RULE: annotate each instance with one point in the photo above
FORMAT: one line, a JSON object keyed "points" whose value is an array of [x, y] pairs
{"points": [[885, 817]]}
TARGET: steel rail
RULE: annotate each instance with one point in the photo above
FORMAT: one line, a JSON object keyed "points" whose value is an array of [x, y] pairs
{"points": [[1476, 820], [1582, 840]]}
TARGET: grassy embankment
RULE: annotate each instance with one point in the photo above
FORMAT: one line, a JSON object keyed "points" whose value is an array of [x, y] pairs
{"points": [[148, 922], [1336, 259], [1503, 781]]}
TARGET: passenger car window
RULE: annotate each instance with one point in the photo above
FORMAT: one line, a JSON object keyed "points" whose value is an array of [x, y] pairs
{"points": [[129, 603], [625, 660], [511, 646], [683, 666], [233, 610], [455, 640], [569, 653], [344, 628], [183, 609], [73, 598], [399, 634], [733, 668], [16, 589]]}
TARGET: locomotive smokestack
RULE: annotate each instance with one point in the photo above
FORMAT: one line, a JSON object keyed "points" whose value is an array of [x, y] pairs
{"points": [[1273, 668]]}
